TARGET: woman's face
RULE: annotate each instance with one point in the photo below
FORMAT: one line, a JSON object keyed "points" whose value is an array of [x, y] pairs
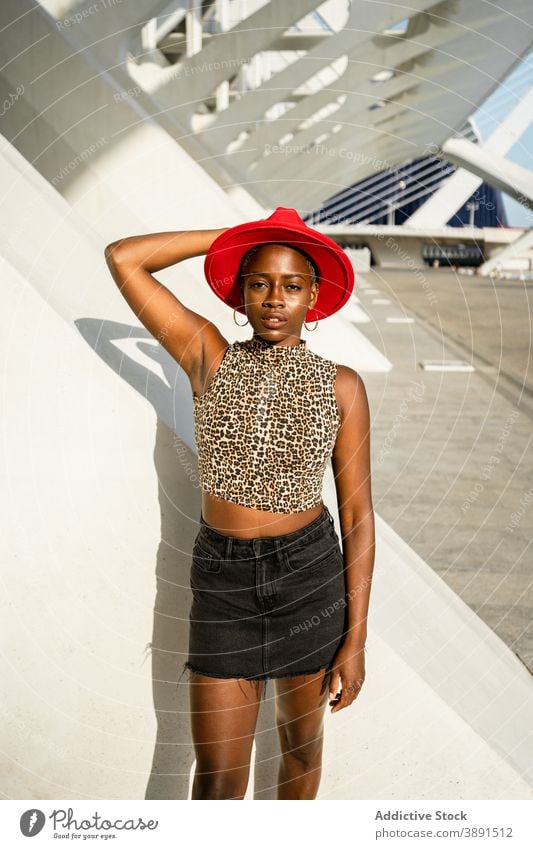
{"points": [[277, 284]]}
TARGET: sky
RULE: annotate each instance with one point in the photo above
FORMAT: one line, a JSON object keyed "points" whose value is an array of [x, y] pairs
{"points": [[493, 110], [521, 153]]}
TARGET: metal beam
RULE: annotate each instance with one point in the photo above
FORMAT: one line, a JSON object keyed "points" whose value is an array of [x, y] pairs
{"points": [[513, 179]]}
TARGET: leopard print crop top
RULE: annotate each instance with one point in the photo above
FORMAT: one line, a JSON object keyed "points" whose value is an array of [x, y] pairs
{"points": [[266, 426]]}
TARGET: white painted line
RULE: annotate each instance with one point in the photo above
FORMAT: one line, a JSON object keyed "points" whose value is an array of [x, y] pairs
{"points": [[399, 319], [446, 365], [380, 301]]}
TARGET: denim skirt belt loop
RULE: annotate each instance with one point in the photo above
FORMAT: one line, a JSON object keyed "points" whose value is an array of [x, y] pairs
{"points": [[267, 607]]}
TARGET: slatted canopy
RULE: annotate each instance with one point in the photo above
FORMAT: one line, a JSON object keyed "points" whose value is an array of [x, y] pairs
{"points": [[297, 100]]}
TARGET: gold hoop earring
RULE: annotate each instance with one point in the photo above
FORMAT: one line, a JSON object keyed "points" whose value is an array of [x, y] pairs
{"points": [[237, 323], [310, 330]]}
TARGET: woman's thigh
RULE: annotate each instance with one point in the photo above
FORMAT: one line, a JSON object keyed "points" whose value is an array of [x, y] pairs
{"points": [[300, 706], [223, 720]]}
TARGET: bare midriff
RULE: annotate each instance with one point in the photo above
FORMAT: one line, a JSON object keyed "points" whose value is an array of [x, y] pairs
{"points": [[234, 520]]}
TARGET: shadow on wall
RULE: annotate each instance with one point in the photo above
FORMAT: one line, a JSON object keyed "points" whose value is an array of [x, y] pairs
{"points": [[151, 371]]}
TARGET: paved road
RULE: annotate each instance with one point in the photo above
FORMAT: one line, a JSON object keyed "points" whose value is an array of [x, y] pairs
{"points": [[452, 454]]}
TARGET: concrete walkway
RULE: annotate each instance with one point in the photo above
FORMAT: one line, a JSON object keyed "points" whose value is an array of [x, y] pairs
{"points": [[452, 463]]}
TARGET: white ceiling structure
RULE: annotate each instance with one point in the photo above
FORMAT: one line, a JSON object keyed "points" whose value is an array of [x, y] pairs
{"points": [[295, 101]]}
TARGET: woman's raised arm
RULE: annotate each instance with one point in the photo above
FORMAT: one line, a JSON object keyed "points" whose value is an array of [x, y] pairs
{"points": [[181, 331]]}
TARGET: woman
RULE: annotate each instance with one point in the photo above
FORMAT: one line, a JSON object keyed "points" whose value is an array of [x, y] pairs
{"points": [[273, 595]]}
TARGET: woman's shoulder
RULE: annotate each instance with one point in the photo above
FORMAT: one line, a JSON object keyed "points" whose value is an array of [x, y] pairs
{"points": [[350, 388]]}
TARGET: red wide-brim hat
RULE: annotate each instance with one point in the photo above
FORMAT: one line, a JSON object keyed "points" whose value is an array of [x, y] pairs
{"points": [[284, 226]]}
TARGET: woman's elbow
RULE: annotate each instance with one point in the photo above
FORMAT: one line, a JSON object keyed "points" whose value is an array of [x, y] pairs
{"points": [[113, 252]]}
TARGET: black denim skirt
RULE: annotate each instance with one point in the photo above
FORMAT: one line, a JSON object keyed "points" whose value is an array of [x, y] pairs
{"points": [[267, 607]]}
